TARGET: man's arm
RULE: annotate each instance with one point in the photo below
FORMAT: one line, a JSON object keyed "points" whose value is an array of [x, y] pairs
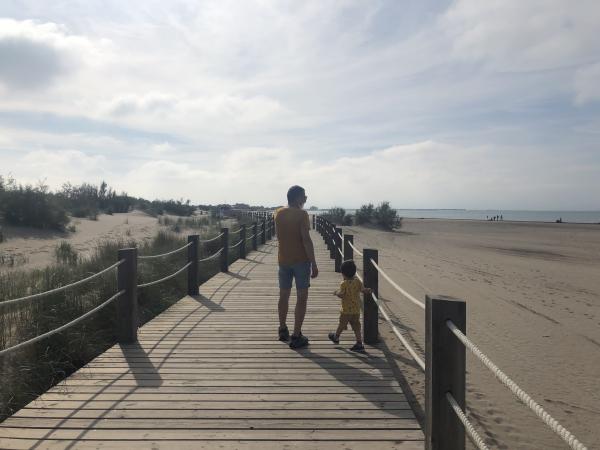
{"points": [[310, 250]]}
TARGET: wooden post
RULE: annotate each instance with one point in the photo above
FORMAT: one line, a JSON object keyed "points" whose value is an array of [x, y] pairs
{"points": [[243, 244], [268, 222], [255, 236], [338, 248], [192, 271], [348, 252], [127, 306], [314, 221], [332, 241], [445, 366], [370, 309], [225, 252], [264, 232]]}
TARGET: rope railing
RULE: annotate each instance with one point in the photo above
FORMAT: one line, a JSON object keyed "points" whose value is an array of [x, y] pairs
{"points": [[211, 240], [355, 249], [165, 254], [62, 327], [61, 288], [415, 356], [231, 247], [469, 428], [395, 285], [214, 255], [168, 277], [552, 423], [251, 237], [235, 232]]}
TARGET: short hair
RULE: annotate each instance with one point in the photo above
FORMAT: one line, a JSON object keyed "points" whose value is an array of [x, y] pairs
{"points": [[294, 193], [348, 268]]}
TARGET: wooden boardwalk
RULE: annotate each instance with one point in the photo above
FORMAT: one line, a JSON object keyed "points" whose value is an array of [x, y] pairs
{"points": [[209, 373]]}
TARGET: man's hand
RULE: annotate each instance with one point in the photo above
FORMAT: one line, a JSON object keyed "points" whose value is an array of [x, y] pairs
{"points": [[314, 271]]}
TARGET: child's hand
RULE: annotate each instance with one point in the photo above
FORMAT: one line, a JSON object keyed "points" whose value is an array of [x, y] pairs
{"points": [[335, 293]]}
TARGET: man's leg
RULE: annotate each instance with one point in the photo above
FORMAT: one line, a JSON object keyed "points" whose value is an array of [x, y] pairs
{"points": [[300, 310], [284, 301]]}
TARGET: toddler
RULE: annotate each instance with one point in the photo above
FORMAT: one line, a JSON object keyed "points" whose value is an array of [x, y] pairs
{"points": [[349, 292]]}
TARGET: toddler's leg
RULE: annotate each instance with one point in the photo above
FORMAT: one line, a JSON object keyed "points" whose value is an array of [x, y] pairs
{"points": [[355, 323]]}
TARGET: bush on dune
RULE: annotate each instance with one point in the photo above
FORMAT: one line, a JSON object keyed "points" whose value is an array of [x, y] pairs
{"points": [[338, 216], [382, 216]]}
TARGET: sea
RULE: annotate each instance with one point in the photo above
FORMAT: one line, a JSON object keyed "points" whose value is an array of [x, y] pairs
{"points": [[507, 215]]}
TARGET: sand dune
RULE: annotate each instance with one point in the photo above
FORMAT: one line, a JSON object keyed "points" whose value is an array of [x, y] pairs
{"points": [[34, 248], [533, 293]]}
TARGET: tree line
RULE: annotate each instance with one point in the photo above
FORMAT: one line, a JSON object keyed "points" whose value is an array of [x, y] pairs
{"points": [[38, 206]]}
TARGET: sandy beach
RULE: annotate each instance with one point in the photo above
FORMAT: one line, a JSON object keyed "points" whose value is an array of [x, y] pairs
{"points": [[34, 248], [533, 306]]}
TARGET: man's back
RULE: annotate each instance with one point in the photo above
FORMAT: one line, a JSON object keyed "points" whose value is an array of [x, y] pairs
{"points": [[289, 222]]}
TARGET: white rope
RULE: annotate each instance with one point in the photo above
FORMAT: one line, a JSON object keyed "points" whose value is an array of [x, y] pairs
{"points": [[62, 327], [213, 239], [166, 254], [341, 237], [62, 288], [339, 251], [471, 432], [231, 247], [517, 391], [355, 249], [398, 288], [399, 335], [212, 256], [165, 278], [236, 231], [251, 237]]}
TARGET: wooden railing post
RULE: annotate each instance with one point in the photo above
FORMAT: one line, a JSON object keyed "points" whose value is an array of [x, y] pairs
{"points": [[243, 244], [255, 236], [348, 252], [192, 271], [127, 306], [370, 309], [225, 252], [332, 251], [445, 366], [268, 228], [314, 221], [338, 248], [264, 231]]}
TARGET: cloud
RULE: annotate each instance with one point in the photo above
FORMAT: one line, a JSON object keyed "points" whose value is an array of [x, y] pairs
{"points": [[523, 36], [34, 55], [587, 84]]}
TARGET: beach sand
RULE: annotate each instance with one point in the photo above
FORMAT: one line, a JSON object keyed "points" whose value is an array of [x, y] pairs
{"points": [[533, 306], [34, 248]]}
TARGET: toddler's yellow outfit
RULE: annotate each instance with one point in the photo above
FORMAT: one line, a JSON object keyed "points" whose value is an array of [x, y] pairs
{"points": [[350, 291]]}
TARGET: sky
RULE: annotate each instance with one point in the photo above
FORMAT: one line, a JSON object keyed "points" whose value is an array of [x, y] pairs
{"points": [[426, 104]]}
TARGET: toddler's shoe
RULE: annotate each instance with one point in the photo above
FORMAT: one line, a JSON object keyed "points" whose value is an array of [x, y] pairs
{"points": [[358, 348]]}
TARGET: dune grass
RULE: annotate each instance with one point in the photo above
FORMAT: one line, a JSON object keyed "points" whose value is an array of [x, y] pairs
{"points": [[30, 371]]}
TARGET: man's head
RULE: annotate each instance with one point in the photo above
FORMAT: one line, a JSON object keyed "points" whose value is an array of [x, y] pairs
{"points": [[348, 269], [296, 196]]}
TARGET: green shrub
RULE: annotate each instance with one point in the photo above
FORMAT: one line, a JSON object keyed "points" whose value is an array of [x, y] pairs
{"points": [[364, 214], [66, 254], [338, 216], [72, 228], [386, 217], [31, 206]]}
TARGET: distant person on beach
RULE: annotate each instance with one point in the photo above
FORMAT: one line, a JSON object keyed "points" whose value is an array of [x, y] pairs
{"points": [[349, 292], [297, 261]]}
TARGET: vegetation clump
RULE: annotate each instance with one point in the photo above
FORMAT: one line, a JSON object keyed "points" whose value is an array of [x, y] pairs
{"points": [[338, 216], [382, 216]]}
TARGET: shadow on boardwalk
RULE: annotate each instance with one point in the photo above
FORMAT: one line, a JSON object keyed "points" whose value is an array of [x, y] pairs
{"points": [[369, 382]]}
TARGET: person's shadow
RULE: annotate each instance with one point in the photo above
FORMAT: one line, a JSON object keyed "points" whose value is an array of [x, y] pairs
{"points": [[383, 392]]}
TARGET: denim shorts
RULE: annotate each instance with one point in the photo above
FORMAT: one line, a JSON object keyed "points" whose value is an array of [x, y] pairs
{"points": [[299, 271]]}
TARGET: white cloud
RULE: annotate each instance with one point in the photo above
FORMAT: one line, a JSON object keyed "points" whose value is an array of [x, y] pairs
{"points": [[587, 84], [35, 54]]}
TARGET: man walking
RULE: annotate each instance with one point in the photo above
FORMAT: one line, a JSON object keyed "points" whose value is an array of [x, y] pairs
{"points": [[296, 261]]}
